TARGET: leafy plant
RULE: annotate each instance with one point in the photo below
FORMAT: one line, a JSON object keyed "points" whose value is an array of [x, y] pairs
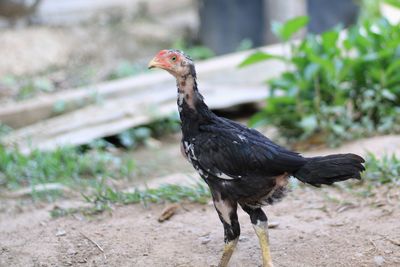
{"points": [[131, 138], [337, 88]]}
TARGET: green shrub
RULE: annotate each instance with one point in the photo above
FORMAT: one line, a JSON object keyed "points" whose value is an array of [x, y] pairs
{"points": [[340, 88]]}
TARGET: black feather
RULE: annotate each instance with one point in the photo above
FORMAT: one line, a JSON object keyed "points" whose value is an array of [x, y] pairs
{"points": [[239, 152], [330, 169]]}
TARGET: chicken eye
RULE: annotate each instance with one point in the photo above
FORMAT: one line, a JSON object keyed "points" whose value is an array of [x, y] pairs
{"points": [[173, 58]]}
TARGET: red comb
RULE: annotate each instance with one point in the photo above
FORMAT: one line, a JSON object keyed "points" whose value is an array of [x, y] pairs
{"points": [[162, 52]]}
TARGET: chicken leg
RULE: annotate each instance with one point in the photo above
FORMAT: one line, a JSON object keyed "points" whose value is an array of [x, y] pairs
{"points": [[260, 225], [227, 252], [227, 212]]}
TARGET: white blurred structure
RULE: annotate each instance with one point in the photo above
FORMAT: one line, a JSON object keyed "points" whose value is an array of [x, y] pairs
{"points": [[390, 12]]}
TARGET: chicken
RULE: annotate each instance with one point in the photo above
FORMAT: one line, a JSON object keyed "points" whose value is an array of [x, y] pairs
{"points": [[240, 165]]}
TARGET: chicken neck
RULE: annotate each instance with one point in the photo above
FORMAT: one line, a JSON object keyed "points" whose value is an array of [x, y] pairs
{"points": [[192, 109]]}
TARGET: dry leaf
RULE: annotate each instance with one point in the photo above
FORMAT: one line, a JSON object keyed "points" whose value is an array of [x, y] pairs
{"points": [[168, 212]]}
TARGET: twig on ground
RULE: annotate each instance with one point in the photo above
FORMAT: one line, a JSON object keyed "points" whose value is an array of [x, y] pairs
{"points": [[373, 243], [95, 243], [388, 197], [393, 241]]}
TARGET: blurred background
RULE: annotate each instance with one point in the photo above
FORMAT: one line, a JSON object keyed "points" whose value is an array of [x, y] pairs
{"points": [[116, 33], [85, 128]]}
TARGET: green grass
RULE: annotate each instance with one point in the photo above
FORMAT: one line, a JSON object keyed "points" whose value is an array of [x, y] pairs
{"points": [[105, 197], [88, 172], [381, 171], [77, 168], [381, 174], [197, 193], [68, 166]]}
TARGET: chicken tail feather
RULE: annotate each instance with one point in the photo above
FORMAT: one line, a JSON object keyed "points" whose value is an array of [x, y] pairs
{"points": [[330, 169]]}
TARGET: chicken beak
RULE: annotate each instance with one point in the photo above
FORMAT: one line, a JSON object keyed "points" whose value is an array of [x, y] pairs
{"points": [[154, 63]]}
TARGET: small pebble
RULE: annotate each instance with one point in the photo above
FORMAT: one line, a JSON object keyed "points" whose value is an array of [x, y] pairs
{"points": [[71, 251], [205, 240], [61, 232], [243, 238], [272, 225], [379, 260]]}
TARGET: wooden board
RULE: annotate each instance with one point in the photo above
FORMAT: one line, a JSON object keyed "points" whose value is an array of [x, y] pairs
{"points": [[23, 113], [96, 121]]}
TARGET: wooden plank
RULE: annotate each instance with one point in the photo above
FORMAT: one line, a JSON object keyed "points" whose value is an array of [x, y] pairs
{"points": [[26, 112], [85, 125], [23, 113]]}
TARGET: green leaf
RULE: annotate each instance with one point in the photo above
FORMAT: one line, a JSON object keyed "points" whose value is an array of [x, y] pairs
{"points": [[286, 30], [310, 71], [329, 40], [259, 119], [394, 3], [257, 57], [395, 65], [326, 64]]}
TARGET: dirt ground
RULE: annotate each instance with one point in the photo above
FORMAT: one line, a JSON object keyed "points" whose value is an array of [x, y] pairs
{"points": [[317, 227], [312, 232]]}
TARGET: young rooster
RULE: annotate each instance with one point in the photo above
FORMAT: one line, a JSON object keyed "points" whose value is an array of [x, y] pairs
{"points": [[240, 165]]}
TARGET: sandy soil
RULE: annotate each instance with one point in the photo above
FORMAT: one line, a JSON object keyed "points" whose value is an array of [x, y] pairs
{"points": [[312, 231], [317, 227]]}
